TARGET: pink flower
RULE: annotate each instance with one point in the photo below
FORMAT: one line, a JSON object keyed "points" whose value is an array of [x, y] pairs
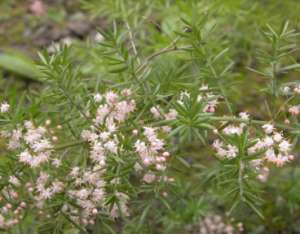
{"points": [[155, 111], [37, 7], [294, 110], [149, 178]]}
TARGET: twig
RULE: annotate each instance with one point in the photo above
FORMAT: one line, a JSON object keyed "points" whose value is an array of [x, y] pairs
{"points": [[68, 145], [132, 42]]}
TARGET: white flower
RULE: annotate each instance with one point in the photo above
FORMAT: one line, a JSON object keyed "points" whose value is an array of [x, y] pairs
{"points": [[280, 160], [111, 146], [14, 180], [155, 112], [57, 187], [184, 94], [268, 128], [232, 151], [244, 115], [25, 157], [172, 114], [126, 92], [284, 146], [218, 144], [203, 88], [286, 90], [294, 110], [111, 97], [88, 135], [98, 37], [98, 195], [270, 155], [75, 171], [56, 162], [149, 178], [297, 89], [46, 193], [102, 112], [231, 130], [4, 107], [277, 137], [28, 124], [104, 135], [41, 145], [98, 97], [14, 141], [82, 194], [268, 141]]}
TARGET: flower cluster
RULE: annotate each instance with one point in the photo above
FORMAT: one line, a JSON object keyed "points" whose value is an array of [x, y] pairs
{"points": [[13, 207], [215, 224], [223, 150], [88, 192], [103, 138], [11, 215], [294, 110], [86, 189], [293, 89], [152, 151], [229, 150], [272, 148], [35, 143], [44, 189], [277, 150]]}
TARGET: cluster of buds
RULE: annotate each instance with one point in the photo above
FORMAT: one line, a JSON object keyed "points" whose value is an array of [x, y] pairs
{"points": [[88, 192], [113, 109], [121, 206], [103, 138], [45, 189], [294, 90], [12, 206], [276, 149], [272, 148], [224, 150], [35, 143], [294, 110], [215, 224], [86, 187], [151, 151], [11, 215], [228, 150]]}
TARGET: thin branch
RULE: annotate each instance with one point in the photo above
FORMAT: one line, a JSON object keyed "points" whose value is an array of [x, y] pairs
{"points": [[68, 145], [257, 122], [132, 42]]}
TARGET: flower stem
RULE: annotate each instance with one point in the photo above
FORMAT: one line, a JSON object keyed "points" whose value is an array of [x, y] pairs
{"points": [[68, 145]]}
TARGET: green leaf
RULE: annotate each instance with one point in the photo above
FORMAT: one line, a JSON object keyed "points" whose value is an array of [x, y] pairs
{"points": [[255, 209], [19, 64], [290, 67]]}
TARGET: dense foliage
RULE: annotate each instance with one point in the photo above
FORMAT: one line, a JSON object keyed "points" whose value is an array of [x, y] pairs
{"points": [[175, 117]]}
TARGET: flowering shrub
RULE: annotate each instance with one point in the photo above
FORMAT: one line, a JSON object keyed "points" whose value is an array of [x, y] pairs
{"points": [[122, 137]]}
